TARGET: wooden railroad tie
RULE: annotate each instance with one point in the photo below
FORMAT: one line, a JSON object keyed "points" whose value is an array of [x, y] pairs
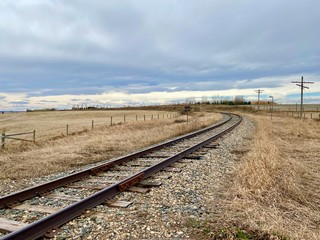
{"points": [[119, 204], [161, 177], [172, 169], [36, 208], [60, 196], [7, 225]]}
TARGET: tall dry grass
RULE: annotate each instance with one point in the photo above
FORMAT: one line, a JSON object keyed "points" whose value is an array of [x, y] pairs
{"points": [[100, 144], [276, 186]]}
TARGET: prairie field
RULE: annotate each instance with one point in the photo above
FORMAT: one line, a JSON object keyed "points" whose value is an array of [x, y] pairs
{"points": [[275, 187], [52, 124], [25, 160]]}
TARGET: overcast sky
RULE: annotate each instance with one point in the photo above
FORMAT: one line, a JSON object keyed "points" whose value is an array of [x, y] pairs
{"points": [[62, 53]]}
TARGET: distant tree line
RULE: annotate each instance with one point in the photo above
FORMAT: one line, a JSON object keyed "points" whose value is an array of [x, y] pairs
{"points": [[237, 100]]}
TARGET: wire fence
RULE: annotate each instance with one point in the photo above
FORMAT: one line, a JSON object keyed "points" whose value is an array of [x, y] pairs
{"points": [[63, 130], [5, 136], [305, 115], [308, 112]]}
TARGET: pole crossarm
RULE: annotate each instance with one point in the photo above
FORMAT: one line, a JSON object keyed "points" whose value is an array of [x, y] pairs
{"points": [[301, 85], [259, 91]]}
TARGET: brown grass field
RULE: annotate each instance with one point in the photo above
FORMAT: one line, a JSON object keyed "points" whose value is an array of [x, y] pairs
{"points": [[275, 188], [52, 124]]}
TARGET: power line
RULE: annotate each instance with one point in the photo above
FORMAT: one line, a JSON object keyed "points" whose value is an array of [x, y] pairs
{"points": [[301, 85], [259, 91]]}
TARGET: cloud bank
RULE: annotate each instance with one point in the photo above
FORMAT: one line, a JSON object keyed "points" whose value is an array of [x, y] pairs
{"points": [[131, 52]]}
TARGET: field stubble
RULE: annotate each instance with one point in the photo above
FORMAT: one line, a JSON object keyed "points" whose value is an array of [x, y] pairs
{"points": [[64, 154], [275, 187]]}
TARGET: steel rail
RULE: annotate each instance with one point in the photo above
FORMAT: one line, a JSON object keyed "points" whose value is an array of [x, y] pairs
{"points": [[16, 197], [55, 220]]}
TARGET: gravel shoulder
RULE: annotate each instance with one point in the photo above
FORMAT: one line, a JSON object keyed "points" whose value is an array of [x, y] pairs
{"points": [[171, 211]]}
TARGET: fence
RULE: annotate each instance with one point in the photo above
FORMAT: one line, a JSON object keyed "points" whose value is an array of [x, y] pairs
{"points": [[5, 136], [69, 129], [112, 121], [310, 115], [309, 112]]}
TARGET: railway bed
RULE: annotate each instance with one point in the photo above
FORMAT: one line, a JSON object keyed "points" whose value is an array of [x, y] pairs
{"points": [[88, 188]]}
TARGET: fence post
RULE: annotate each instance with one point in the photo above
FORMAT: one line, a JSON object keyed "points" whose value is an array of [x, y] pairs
{"points": [[4, 135], [92, 123], [67, 129], [152, 117], [34, 136], [111, 121], [124, 118], [311, 115], [158, 116], [144, 117], [136, 118]]}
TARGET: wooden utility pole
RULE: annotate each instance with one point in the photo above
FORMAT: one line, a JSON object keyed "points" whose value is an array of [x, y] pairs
{"points": [[259, 91], [301, 85], [271, 105]]}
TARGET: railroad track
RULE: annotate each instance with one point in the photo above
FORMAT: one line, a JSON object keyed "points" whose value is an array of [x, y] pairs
{"points": [[97, 185]]}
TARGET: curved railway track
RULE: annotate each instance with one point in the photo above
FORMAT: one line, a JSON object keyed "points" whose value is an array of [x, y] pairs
{"points": [[103, 182]]}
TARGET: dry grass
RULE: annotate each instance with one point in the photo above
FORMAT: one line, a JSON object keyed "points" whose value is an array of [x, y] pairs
{"points": [[100, 144], [52, 124], [276, 186]]}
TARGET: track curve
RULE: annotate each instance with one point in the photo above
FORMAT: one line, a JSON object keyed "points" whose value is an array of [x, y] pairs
{"points": [[179, 148]]}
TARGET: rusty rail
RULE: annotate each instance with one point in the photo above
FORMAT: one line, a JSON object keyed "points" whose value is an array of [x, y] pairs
{"points": [[20, 196]]}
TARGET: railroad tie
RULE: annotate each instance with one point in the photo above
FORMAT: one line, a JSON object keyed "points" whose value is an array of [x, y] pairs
{"points": [[172, 169], [119, 204], [36, 208], [7, 225]]}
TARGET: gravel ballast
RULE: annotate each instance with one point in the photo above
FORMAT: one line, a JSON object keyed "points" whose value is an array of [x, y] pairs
{"points": [[166, 212]]}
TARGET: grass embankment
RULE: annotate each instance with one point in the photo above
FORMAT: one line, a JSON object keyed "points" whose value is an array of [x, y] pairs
{"points": [[274, 192], [102, 143]]}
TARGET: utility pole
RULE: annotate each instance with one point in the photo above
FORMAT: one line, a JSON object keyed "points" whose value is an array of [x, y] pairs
{"points": [[271, 105], [301, 85], [259, 91]]}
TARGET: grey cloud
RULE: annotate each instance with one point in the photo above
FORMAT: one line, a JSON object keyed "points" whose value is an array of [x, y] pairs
{"points": [[47, 101], [20, 102], [77, 47]]}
